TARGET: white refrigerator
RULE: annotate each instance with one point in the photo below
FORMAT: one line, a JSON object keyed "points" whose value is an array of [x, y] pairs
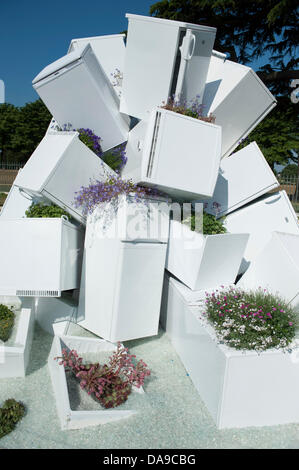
{"points": [[268, 214], [177, 154], [163, 58], [238, 99], [110, 51], [58, 167], [243, 176], [122, 279], [76, 90]]}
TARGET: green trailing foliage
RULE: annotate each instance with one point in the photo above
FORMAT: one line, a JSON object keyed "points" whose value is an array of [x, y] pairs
{"points": [[41, 210], [7, 320], [250, 320], [11, 413]]}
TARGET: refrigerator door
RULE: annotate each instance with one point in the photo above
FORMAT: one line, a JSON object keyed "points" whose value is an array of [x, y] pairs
{"points": [[243, 176], [16, 204], [110, 51], [92, 106], [190, 147], [152, 62], [59, 166], [261, 218], [196, 51], [232, 88]]}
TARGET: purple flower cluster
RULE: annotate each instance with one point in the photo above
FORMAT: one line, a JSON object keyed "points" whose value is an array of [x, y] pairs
{"points": [[105, 191], [89, 138]]}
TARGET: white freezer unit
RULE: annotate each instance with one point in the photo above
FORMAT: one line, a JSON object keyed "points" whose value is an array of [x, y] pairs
{"points": [[276, 268], [40, 256], [76, 90], [110, 51], [243, 176], [268, 214], [58, 167], [204, 261], [121, 286], [163, 58], [238, 99], [177, 154]]}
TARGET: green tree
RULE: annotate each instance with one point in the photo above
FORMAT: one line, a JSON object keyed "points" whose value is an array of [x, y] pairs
{"points": [[9, 118], [33, 122], [290, 171]]}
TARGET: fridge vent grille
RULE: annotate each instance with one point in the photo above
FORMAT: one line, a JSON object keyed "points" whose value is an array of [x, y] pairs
{"points": [[153, 145], [38, 293]]}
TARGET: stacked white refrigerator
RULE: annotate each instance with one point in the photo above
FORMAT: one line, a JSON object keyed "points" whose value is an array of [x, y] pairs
{"points": [[238, 99], [93, 106], [122, 279], [163, 58], [110, 51]]}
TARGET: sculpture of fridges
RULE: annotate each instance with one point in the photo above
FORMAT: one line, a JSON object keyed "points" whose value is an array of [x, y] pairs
{"points": [[163, 58], [110, 51], [58, 167], [122, 278], [268, 214], [204, 261], [76, 90], [244, 176], [177, 154], [238, 99], [42, 256], [276, 268]]}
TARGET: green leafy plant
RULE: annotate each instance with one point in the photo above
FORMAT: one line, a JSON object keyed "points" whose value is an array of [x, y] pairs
{"points": [[45, 211], [210, 225], [255, 320], [7, 319], [11, 413], [192, 109], [3, 196]]}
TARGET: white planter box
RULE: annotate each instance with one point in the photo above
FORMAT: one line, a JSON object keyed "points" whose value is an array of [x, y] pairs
{"points": [[121, 286], [261, 218], [59, 166], [276, 268], [177, 154], [239, 389], [238, 99], [203, 261], [110, 51], [70, 419], [42, 257], [163, 58], [76, 90], [14, 359], [54, 314], [243, 177]]}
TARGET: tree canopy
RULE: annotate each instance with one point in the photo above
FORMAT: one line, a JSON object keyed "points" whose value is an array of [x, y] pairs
{"points": [[22, 129]]}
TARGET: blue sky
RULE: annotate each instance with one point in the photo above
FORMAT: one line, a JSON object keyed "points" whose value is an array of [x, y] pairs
{"points": [[34, 33]]}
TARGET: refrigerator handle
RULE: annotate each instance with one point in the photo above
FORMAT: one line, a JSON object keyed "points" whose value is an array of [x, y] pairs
{"points": [[187, 50]]}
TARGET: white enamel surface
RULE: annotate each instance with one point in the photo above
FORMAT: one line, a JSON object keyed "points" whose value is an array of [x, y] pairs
{"points": [[240, 389], [243, 176], [237, 98], [150, 71], [194, 160], [261, 218], [203, 261], [92, 106], [276, 268], [59, 166], [39, 255], [14, 359]]}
